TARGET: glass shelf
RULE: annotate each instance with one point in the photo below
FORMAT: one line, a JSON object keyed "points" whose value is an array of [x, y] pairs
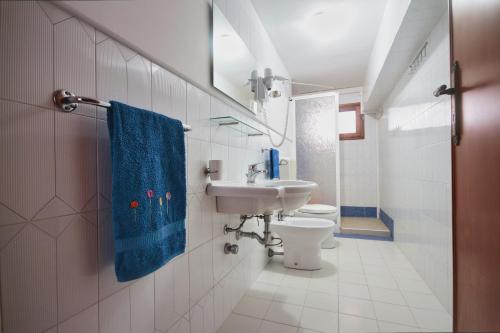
{"points": [[237, 125]]}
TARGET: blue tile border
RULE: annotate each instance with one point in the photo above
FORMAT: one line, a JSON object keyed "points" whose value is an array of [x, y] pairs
{"points": [[388, 221], [369, 237], [354, 211]]}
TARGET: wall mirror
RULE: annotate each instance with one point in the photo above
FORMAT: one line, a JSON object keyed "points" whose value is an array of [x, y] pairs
{"points": [[233, 63]]}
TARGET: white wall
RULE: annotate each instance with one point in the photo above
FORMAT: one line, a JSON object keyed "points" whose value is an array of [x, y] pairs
{"points": [[394, 13], [56, 244], [415, 166], [176, 34], [358, 162]]}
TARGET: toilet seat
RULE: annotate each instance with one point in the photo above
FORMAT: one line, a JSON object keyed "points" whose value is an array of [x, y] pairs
{"points": [[318, 209]]}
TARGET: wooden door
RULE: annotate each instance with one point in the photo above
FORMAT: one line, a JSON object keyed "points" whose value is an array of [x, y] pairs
{"points": [[475, 28]]}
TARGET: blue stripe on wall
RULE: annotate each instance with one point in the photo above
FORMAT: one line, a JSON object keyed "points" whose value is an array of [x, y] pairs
{"points": [[388, 221], [354, 211]]}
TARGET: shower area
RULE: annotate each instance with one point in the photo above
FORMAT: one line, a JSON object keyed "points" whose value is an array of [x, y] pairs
{"points": [[318, 147], [329, 154]]}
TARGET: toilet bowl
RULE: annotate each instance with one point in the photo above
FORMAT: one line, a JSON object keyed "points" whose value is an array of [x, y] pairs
{"points": [[302, 239], [323, 212]]}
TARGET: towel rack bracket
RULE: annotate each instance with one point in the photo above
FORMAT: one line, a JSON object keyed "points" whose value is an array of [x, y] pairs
{"points": [[63, 99]]}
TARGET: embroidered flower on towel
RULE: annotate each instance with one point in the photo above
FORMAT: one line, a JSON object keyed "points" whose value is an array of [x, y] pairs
{"points": [[168, 195], [134, 204], [150, 193]]}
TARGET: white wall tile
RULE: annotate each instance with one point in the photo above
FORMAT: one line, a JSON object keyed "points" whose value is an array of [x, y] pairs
{"points": [[169, 94], [31, 275], [202, 315], [57, 166], [74, 54], [77, 268], [111, 78], [142, 306], [139, 82], [415, 170], [85, 322], [27, 72], [114, 313], [201, 278], [171, 293]]}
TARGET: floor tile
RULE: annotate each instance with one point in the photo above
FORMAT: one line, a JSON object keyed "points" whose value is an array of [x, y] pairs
{"points": [[357, 307], [319, 320], [354, 290], [386, 327], [284, 313], [295, 281], [240, 324], [290, 295], [322, 285], [270, 277], [270, 327], [353, 324], [417, 286], [382, 282], [424, 301], [322, 301], [351, 277], [252, 306], [394, 313], [387, 295], [433, 319], [262, 290]]}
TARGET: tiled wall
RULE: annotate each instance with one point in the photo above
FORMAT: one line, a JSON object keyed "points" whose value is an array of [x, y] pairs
{"points": [[56, 246], [415, 166], [358, 164]]}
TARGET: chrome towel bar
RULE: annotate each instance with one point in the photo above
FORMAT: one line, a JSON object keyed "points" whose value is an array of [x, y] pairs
{"points": [[68, 102]]}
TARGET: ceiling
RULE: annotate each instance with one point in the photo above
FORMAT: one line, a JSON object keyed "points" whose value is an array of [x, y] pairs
{"points": [[326, 42]]}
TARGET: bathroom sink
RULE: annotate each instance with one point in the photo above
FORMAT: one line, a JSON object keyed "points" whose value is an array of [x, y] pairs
{"points": [[260, 198], [297, 192]]}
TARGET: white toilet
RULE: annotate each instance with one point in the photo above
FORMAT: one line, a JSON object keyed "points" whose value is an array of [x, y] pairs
{"points": [[302, 239], [322, 212]]}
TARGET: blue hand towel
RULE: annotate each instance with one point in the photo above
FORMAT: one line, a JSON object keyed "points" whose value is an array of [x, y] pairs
{"points": [[148, 189], [275, 163]]}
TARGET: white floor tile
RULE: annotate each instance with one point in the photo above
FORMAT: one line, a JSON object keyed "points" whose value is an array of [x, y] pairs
{"points": [[295, 281], [352, 324], [262, 290], [325, 274], [424, 301], [319, 320], [354, 290], [382, 282], [323, 285], [394, 313], [270, 327], [377, 270], [386, 327], [290, 295], [284, 313], [351, 277], [240, 324], [270, 277], [433, 319], [387, 295], [417, 286], [253, 307], [357, 307], [322, 301]]}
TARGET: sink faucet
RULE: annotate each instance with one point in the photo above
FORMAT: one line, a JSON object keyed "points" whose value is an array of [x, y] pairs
{"points": [[253, 172]]}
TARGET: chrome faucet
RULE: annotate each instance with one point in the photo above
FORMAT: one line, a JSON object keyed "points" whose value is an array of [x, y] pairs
{"points": [[253, 172]]}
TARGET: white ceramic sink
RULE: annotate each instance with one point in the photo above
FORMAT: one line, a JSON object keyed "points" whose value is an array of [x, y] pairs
{"points": [[260, 198]]}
